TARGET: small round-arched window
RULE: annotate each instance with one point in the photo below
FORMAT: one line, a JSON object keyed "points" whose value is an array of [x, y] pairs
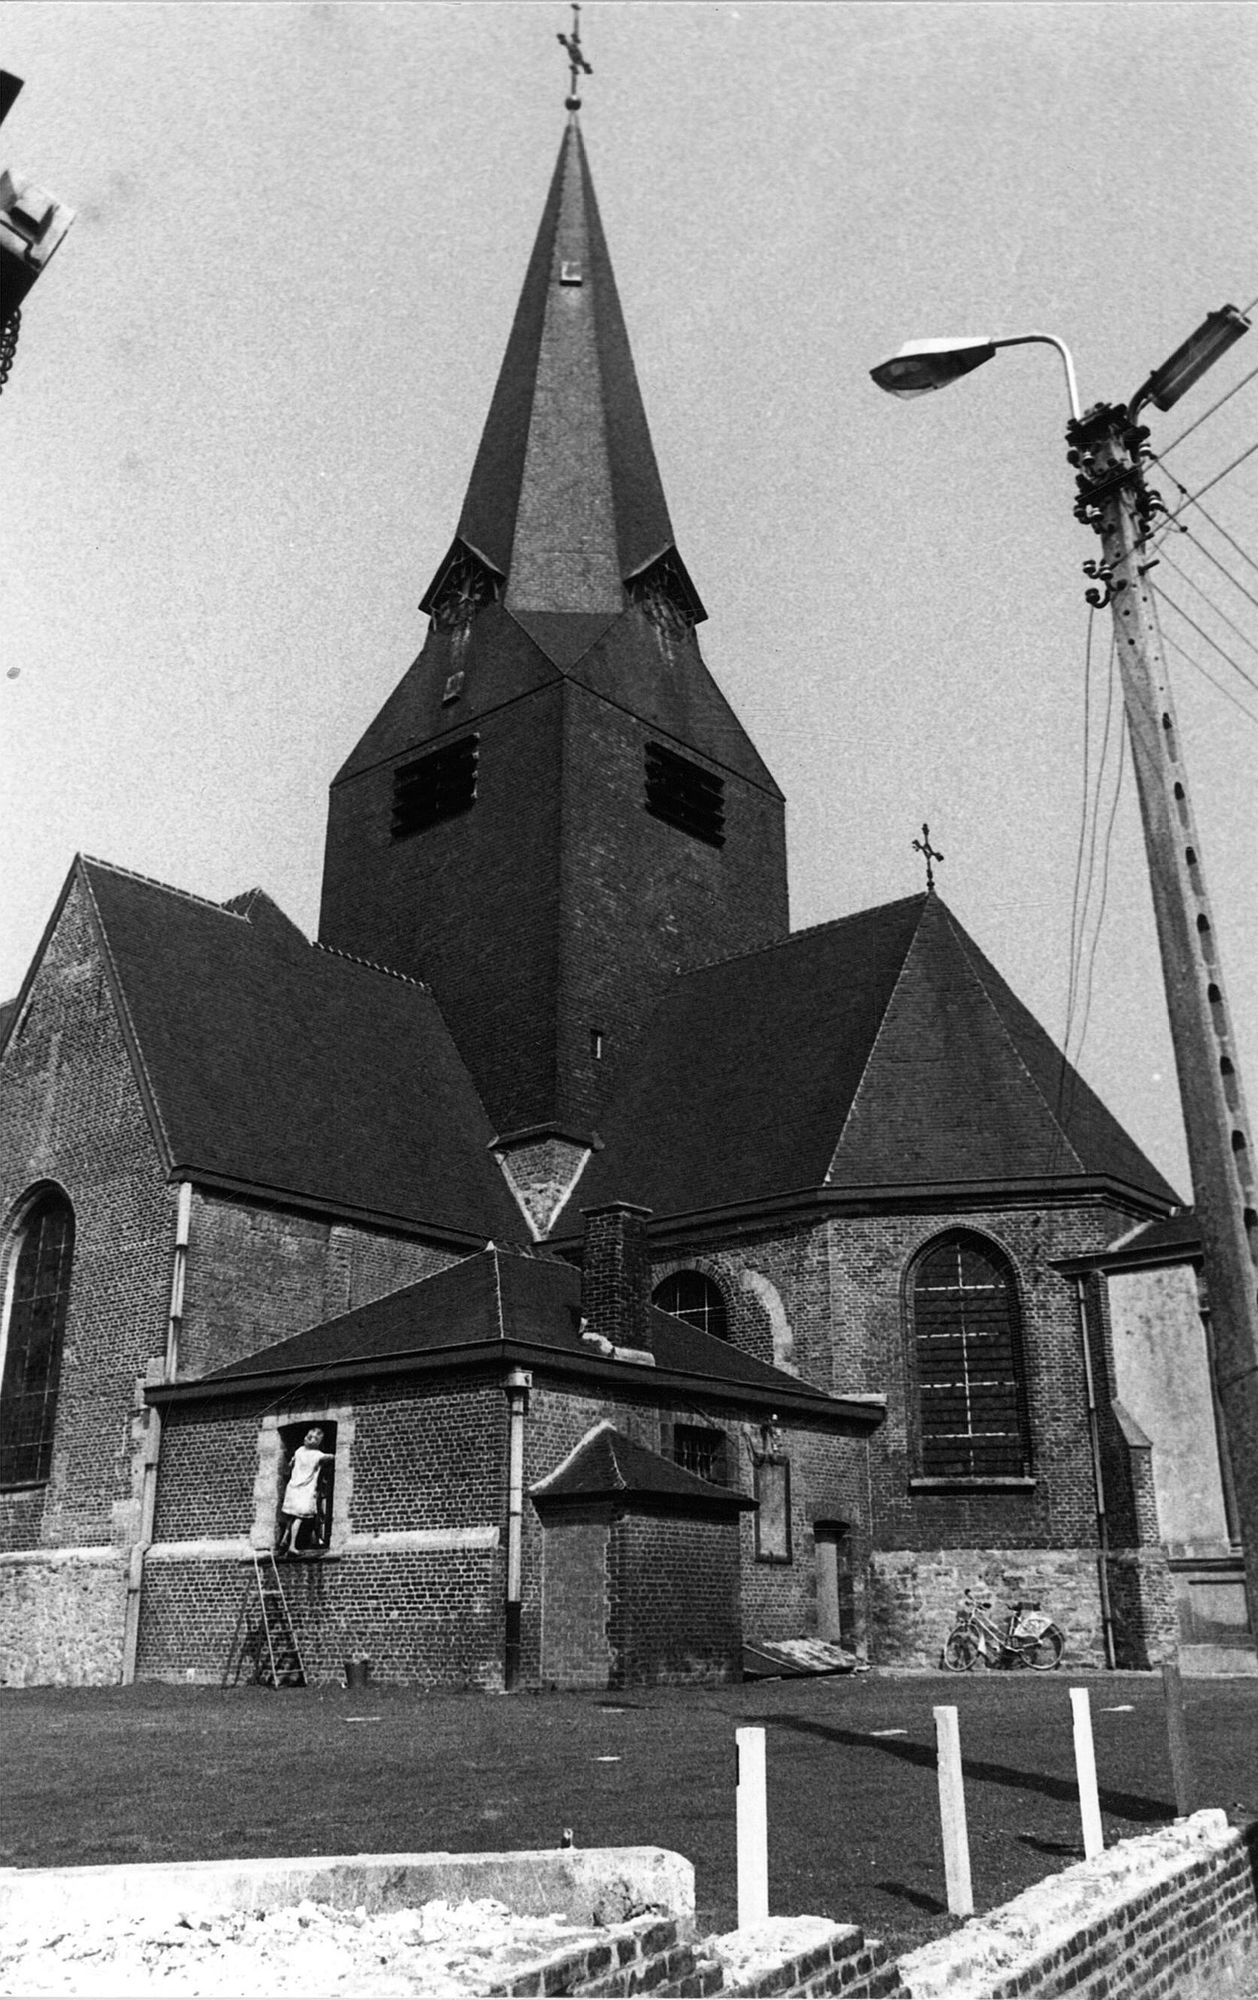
{"points": [[39, 1293], [690, 1296], [967, 1351]]}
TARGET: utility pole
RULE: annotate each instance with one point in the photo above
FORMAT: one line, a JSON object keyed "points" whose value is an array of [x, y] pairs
{"points": [[32, 225], [1106, 446]]}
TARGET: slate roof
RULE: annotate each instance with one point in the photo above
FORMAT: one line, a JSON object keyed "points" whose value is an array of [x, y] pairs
{"points": [[1170, 1239], [879, 1052], [276, 1066], [607, 1464], [498, 1303], [565, 498]]}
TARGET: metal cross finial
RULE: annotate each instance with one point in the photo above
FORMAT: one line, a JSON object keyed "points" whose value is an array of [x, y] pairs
{"points": [[576, 61], [931, 854]]}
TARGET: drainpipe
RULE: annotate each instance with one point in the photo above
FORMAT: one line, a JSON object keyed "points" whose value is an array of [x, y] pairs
{"points": [[517, 1385], [1098, 1480], [164, 1371]]}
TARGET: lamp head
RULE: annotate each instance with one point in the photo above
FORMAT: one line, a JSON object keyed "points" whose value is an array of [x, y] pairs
{"points": [[1189, 363], [923, 365]]}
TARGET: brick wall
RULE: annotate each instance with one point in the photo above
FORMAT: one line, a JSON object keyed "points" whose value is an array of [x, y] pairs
{"points": [[73, 1114], [557, 904], [575, 1650], [674, 1611], [256, 1275], [1171, 1913]]}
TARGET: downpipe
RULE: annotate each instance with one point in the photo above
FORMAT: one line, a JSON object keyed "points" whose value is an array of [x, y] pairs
{"points": [[1098, 1478], [517, 1386]]}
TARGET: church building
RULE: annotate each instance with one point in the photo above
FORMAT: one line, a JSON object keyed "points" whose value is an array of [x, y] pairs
{"points": [[661, 1283]]}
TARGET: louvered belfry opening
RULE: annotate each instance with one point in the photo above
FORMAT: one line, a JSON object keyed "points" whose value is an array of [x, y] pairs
{"points": [[435, 787], [967, 1348], [685, 795]]}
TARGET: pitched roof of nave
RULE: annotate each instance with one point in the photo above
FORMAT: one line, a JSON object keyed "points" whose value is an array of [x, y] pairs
{"points": [[279, 1067], [878, 1055], [525, 1309]]}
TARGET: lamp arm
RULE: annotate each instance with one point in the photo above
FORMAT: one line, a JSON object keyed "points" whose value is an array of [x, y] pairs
{"points": [[1051, 340]]}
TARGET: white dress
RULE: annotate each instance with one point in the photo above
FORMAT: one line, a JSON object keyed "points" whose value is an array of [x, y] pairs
{"points": [[301, 1494]]}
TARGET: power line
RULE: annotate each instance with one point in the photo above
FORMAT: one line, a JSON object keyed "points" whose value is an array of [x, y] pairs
{"points": [[1191, 499], [1210, 556], [1194, 498], [1217, 609], [1207, 675], [1236, 386], [1202, 633]]}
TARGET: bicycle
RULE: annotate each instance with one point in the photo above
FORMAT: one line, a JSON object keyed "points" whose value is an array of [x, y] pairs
{"points": [[1029, 1639]]}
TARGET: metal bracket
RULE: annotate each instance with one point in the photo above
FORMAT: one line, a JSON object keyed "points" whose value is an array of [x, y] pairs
{"points": [[1103, 573]]}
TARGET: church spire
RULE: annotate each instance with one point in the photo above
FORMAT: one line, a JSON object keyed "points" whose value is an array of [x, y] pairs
{"points": [[565, 508]]}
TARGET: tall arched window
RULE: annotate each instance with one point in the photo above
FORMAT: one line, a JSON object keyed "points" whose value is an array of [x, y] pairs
{"points": [[690, 1296], [967, 1351], [38, 1294]]}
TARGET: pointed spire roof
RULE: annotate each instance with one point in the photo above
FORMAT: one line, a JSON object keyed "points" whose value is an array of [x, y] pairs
{"points": [[565, 502]]}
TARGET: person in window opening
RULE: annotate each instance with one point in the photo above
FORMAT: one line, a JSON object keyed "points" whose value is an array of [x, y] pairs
{"points": [[300, 1505]]}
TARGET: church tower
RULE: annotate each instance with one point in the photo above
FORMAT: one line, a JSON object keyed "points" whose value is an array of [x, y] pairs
{"points": [[556, 811]]}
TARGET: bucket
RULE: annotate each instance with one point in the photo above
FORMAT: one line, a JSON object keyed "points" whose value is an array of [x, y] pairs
{"points": [[357, 1673]]}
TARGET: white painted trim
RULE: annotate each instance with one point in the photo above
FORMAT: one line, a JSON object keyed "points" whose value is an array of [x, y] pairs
{"points": [[234, 1549], [424, 1539], [94, 1557]]}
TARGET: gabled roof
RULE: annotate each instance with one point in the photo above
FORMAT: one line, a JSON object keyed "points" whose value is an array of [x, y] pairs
{"points": [[1170, 1239], [877, 1053], [565, 499], [608, 1465], [274, 1066], [511, 1307]]}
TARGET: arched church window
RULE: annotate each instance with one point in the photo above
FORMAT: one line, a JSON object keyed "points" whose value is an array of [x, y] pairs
{"points": [[967, 1359], [691, 1296], [38, 1293]]}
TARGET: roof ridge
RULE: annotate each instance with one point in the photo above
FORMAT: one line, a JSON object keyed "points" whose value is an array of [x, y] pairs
{"points": [[809, 930], [1053, 1170], [167, 888], [371, 964], [871, 1051]]}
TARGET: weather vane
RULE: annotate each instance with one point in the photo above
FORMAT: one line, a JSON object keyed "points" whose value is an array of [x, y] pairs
{"points": [[576, 61], [931, 854]]}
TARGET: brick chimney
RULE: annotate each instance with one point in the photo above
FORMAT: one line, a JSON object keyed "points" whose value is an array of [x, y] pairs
{"points": [[616, 1274]]}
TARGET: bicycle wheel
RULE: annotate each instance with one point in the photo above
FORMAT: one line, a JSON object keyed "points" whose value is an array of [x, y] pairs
{"points": [[1047, 1650], [959, 1652]]}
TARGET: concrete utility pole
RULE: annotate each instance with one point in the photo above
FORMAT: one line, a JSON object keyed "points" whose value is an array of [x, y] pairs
{"points": [[1113, 499]]}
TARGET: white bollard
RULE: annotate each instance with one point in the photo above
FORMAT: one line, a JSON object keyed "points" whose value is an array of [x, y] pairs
{"points": [[1085, 1766], [956, 1840], [753, 1828]]}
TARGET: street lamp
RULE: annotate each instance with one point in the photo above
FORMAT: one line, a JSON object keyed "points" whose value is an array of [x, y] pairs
{"points": [[1106, 448], [923, 365]]}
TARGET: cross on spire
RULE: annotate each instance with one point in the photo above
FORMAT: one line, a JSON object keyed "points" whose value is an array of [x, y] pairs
{"points": [[931, 855], [576, 61]]}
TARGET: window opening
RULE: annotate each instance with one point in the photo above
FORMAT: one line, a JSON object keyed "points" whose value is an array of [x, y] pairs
{"points": [[701, 1451], [40, 1295], [690, 1296], [435, 787], [307, 1476], [684, 795], [971, 1398]]}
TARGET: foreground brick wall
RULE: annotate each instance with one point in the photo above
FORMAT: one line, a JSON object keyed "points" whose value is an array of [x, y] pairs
{"points": [[1171, 1915]]}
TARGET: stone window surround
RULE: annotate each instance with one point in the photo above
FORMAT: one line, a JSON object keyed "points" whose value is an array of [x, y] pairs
{"points": [[266, 1485], [922, 1483], [10, 1252]]}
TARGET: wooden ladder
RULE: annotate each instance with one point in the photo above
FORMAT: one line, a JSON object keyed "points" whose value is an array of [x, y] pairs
{"points": [[264, 1639]]}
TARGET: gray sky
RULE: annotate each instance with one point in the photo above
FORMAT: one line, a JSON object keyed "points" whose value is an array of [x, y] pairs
{"points": [[249, 388]]}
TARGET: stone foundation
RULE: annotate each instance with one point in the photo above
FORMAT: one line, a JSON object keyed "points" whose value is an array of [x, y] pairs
{"points": [[61, 1617], [914, 1596]]}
